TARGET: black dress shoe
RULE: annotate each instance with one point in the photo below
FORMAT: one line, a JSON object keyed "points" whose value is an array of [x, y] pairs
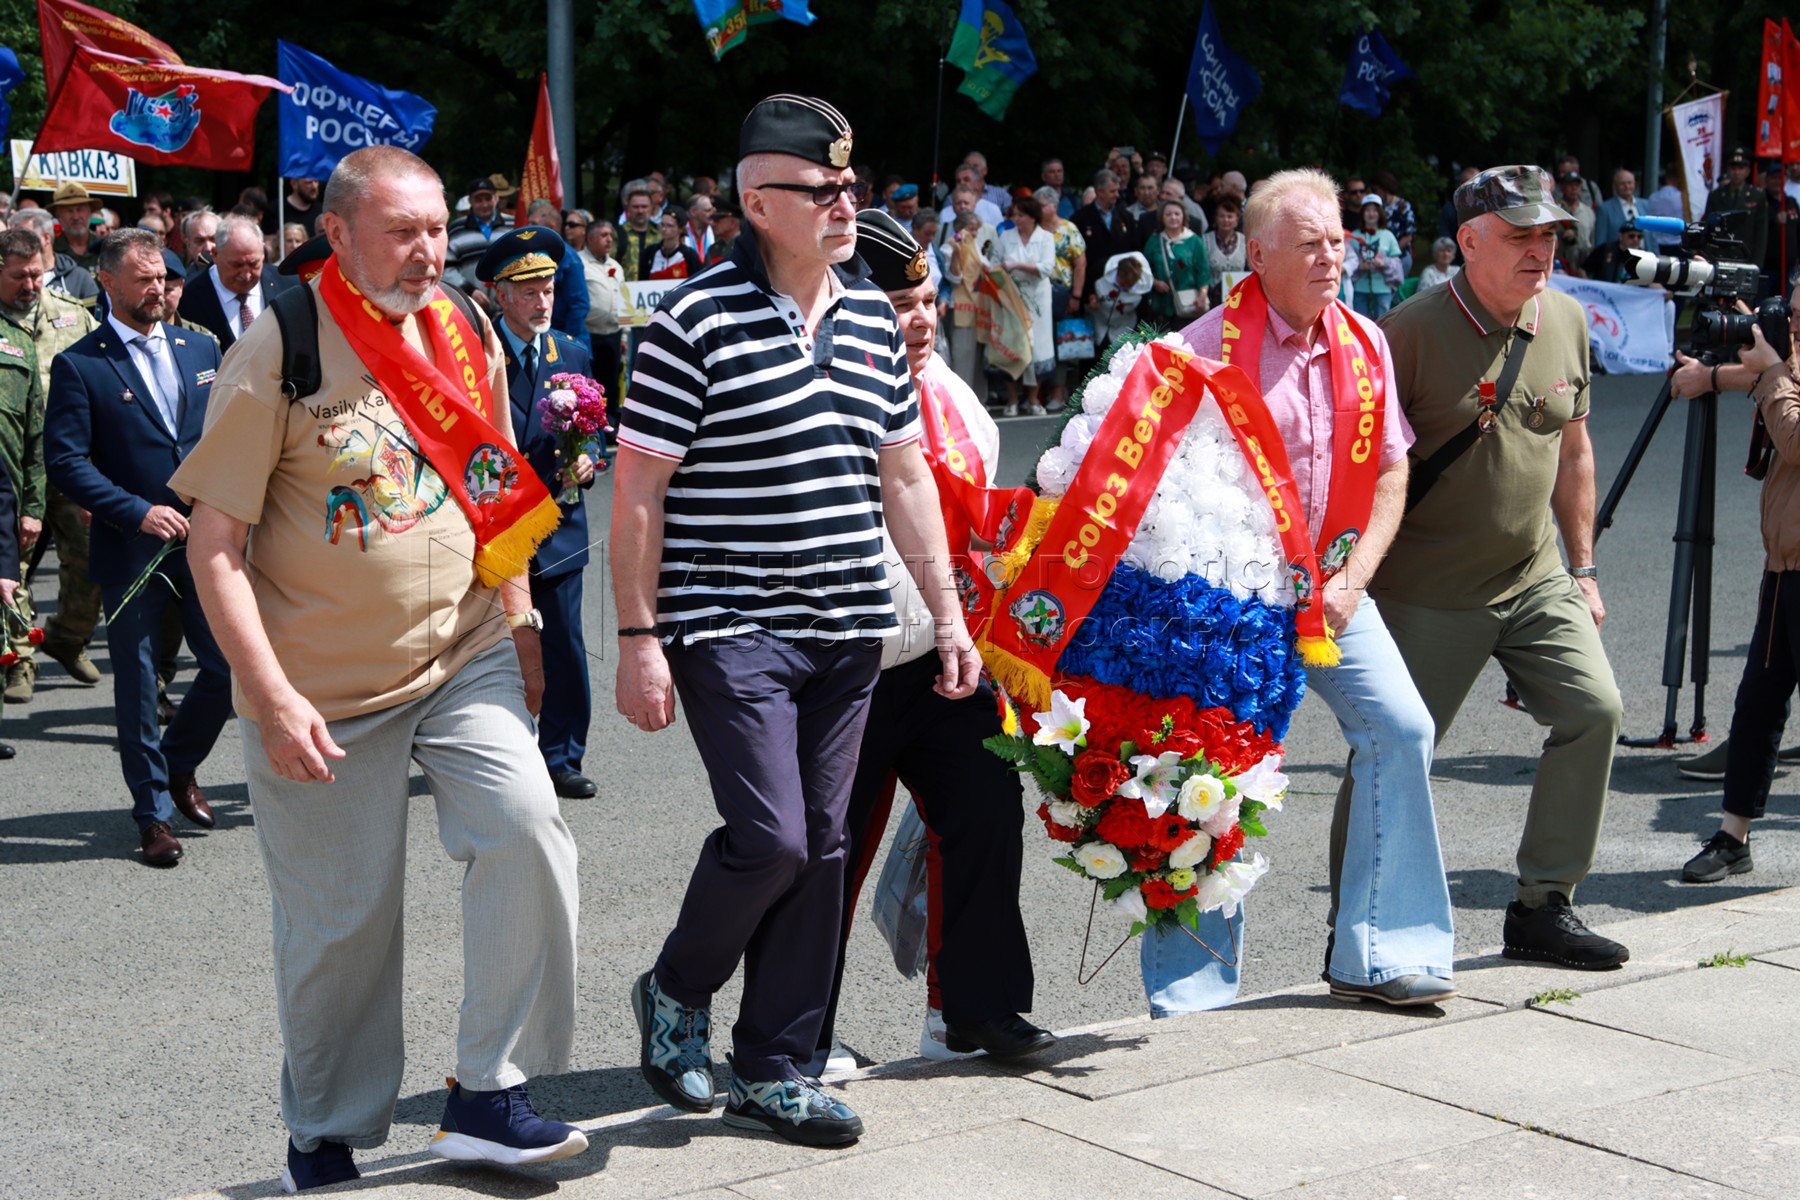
{"points": [[573, 785], [1552, 933], [191, 801], [1011, 1036], [6, 751], [161, 847]]}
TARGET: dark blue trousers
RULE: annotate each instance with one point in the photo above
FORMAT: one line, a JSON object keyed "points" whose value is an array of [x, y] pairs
{"points": [[568, 698], [778, 724], [133, 638]]}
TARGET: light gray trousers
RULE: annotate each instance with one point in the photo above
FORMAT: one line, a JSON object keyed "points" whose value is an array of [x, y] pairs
{"points": [[335, 856]]}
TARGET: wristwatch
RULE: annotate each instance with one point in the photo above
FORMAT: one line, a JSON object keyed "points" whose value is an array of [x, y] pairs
{"points": [[533, 620], [1585, 572]]}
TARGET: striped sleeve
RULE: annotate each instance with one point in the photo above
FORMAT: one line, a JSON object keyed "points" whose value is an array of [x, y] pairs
{"points": [[667, 394]]}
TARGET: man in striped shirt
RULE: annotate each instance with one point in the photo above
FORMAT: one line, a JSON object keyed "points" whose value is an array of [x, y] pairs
{"points": [[769, 426]]}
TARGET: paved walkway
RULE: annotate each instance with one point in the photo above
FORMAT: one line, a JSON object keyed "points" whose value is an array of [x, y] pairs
{"points": [[1663, 1079]]}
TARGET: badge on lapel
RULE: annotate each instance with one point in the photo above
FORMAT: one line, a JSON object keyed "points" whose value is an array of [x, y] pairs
{"points": [[205, 377], [126, 396], [14, 351]]}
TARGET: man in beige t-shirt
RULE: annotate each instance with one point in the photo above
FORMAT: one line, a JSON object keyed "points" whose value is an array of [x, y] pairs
{"points": [[337, 571]]}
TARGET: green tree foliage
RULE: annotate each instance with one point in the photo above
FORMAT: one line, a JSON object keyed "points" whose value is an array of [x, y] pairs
{"points": [[1499, 80]]}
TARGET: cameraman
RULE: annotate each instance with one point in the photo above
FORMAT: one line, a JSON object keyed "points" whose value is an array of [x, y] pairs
{"points": [[1773, 664]]}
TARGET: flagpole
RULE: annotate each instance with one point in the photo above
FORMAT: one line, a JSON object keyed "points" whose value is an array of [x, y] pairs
{"points": [[1175, 146], [937, 121]]}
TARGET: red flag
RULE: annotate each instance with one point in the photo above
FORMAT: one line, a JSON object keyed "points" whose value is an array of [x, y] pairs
{"points": [[64, 25], [1769, 93], [157, 113], [1790, 96], [542, 177]]}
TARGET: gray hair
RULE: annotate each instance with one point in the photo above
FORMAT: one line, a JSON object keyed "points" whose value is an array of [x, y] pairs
{"points": [[192, 221], [121, 243], [236, 228], [538, 206], [355, 175], [1049, 197], [20, 243], [1443, 243], [1104, 176], [34, 219], [1285, 191], [634, 188]]}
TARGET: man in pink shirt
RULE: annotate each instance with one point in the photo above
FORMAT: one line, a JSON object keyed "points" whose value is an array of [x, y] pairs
{"points": [[1329, 381]]}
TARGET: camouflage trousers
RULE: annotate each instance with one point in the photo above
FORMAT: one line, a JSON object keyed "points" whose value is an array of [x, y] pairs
{"points": [[77, 598]]}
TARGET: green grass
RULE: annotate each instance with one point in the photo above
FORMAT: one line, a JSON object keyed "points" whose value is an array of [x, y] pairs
{"points": [[1555, 996], [1727, 958]]}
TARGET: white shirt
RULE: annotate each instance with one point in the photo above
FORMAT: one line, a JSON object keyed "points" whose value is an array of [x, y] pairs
{"points": [[986, 209], [228, 301], [167, 407], [606, 286]]}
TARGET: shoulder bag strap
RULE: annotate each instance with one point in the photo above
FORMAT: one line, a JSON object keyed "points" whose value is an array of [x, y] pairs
{"points": [[1425, 474]]}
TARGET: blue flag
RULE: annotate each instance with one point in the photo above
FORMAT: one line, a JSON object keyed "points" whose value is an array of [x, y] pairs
{"points": [[1371, 73], [1220, 84], [724, 22], [991, 48], [10, 77], [330, 113]]}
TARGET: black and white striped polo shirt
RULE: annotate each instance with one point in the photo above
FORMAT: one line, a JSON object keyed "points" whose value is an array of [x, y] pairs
{"points": [[773, 519]]}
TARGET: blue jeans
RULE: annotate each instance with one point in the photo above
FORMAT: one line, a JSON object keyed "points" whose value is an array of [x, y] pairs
{"points": [[1182, 976], [1374, 305], [1391, 904]]}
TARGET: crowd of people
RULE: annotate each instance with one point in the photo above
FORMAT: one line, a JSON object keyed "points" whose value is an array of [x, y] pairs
{"points": [[814, 376]]}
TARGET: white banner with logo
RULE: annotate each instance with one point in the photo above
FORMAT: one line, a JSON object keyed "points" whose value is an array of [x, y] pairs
{"points": [[641, 299], [1631, 329], [1700, 133], [100, 171]]}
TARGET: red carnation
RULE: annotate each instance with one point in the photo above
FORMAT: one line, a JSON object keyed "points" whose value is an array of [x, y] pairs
{"points": [[36, 636], [1169, 831], [1148, 860], [1098, 774], [1226, 848], [1184, 742], [1158, 894], [8, 658], [1058, 833], [1125, 824]]}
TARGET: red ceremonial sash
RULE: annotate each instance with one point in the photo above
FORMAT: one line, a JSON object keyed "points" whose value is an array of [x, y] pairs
{"points": [[452, 421], [1358, 403], [970, 508]]}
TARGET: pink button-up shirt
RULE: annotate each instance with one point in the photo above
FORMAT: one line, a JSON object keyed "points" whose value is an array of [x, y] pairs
{"points": [[1295, 377]]}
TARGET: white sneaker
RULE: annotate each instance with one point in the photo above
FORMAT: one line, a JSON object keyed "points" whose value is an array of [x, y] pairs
{"points": [[932, 1043], [1011, 410], [835, 1061]]}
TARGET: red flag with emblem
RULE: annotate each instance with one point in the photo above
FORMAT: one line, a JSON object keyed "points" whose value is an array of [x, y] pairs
{"points": [[1790, 96], [542, 177], [157, 113], [64, 25], [1769, 93]]}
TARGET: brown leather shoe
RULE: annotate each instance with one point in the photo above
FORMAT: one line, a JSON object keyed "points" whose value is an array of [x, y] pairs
{"points": [[161, 848], [191, 801]]}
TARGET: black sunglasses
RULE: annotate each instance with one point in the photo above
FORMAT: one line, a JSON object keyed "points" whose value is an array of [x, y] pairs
{"points": [[825, 194]]}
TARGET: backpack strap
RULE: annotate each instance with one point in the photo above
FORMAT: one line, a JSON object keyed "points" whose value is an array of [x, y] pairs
{"points": [[297, 313]]}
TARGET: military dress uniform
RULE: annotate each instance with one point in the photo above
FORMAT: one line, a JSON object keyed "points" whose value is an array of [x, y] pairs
{"points": [[52, 325], [528, 253], [1744, 197], [22, 457]]}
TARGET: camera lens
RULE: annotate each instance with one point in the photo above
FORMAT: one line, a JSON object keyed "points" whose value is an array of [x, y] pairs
{"points": [[1721, 329]]}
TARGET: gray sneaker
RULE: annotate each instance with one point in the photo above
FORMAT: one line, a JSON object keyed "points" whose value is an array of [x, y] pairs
{"points": [[1407, 991], [676, 1045], [796, 1109], [1709, 766]]}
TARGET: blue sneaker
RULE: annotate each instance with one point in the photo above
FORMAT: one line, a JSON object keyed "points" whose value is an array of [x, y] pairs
{"points": [[501, 1127], [795, 1109], [328, 1164], [676, 1045]]}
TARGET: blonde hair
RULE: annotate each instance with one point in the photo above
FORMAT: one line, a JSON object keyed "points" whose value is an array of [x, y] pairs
{"points": [[1275, 196]]}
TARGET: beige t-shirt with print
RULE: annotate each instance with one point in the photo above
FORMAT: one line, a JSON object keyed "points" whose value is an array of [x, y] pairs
{"points": [[361, 559]]}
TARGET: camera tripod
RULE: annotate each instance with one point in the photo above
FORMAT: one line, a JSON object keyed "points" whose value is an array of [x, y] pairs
{"points": [[1690, 588]]}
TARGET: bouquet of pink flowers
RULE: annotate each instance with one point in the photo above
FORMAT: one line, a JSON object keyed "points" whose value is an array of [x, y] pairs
{"points": [[574, 410]]}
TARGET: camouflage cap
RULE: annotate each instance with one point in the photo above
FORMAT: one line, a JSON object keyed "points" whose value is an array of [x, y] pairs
{"points": [[1519, 194]]}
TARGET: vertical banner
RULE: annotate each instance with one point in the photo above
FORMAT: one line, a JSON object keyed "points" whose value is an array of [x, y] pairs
{"points": [[541, 178], [1699, 129], [1769, 93], [1790, 96]]}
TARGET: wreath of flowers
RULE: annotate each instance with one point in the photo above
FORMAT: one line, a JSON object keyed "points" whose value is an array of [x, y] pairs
{"points": [[1161, 749]]}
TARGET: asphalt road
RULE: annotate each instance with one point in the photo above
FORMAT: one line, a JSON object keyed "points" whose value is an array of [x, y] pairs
{"points": [[137, 1004]]}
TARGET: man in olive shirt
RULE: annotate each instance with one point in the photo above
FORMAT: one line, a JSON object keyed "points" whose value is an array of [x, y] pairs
{"points": [[1739, 193], [1474, 572]]}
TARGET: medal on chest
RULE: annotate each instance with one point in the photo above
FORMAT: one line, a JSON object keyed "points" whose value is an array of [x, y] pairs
{"points": [[1488, 419]]}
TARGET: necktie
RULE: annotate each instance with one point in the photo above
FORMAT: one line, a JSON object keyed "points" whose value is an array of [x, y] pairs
{"points": [[162, 381], [528, 361], [245, 316]]}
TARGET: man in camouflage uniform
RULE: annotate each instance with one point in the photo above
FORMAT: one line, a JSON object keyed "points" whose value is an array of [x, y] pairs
{"points": [[48, 323], [21, 437]]}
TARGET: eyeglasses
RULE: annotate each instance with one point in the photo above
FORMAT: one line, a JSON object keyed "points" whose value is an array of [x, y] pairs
{"points": [[825, 194]]}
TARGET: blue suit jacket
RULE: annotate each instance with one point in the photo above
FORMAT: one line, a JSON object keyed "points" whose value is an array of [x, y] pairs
{"points": [[567, 549], [200, 302], [568, 313], [106, 447], [1609, 220]]}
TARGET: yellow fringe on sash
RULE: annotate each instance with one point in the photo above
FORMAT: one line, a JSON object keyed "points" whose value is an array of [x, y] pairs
{"points": [[509, 552], [1026, 544], [1319, 651], [1022, 681]]}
